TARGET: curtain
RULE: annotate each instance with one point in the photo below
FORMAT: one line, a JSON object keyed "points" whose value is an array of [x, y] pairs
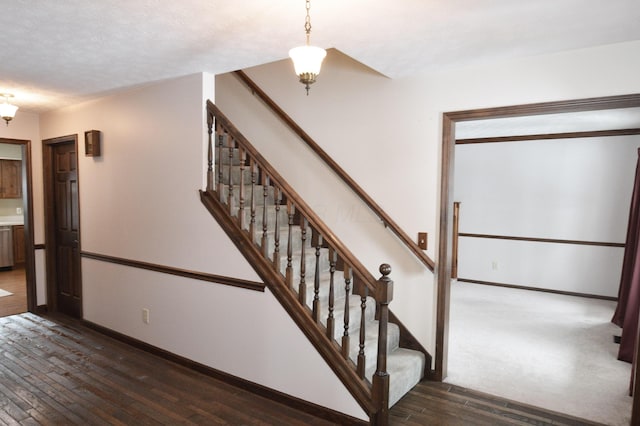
{"points": [[626, 315]]}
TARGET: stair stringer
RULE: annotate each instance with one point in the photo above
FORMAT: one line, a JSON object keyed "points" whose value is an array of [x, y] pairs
{"points": [[328, 349]]}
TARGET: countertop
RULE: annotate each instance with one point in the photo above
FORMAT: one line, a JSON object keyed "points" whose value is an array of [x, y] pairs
{"points": [[11, 220]]}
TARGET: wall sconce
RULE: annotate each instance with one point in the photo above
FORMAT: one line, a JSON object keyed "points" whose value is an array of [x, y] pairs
{"points": [[7, 111], [92, 143]]}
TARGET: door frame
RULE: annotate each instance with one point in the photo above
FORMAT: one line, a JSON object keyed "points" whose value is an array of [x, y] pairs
{"points": [[49, 218], [449, 120], [27, 206]]}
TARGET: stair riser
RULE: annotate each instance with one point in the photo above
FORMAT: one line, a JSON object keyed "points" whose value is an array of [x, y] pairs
{"points": [[323, 294], [296, 242], [225, 156], [283, 218], [371, 342], [354, 316], [259, 194], [310, 265], [235, 175]]}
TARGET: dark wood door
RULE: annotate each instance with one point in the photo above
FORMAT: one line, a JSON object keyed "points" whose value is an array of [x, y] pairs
{"points": [[66, 229]]}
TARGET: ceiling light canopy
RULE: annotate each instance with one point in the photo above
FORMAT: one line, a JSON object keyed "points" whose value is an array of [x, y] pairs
{"points": [[307, 59], [7, 111]]}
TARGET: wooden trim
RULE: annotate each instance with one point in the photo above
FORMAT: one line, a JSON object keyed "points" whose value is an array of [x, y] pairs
{"points": [[327, 348], [542, 240], [543, 108], [445, 241], [39, 247], [27, 205], [375, 208], [41, 310], [202, 276], [544, 290], [544, 136], [255, 388], [455, 239], [449, 120], [275, 177]]}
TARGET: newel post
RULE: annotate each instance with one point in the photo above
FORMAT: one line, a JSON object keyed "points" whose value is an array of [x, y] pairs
{"points": [[210, 151], [380, 383]]}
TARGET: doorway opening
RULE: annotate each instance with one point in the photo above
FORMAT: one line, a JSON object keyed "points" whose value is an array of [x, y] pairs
{"points": [[450, 122], [17, 257], [62, 225]]}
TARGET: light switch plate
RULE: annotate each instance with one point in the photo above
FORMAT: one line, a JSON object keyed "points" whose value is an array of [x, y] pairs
{"points": [[422, 240]]}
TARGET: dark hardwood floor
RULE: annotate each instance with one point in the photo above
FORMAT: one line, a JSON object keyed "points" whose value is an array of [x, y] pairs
{"points": [[56, 371], [13, 281]]}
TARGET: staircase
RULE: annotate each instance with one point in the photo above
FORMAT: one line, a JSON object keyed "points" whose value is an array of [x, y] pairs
{"points": [[335, 301]]}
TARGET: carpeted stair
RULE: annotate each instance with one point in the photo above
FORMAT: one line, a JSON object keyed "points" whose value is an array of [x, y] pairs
{"points": [[405, 366]]}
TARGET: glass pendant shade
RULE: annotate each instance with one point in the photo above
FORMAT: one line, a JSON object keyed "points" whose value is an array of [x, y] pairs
{"points": [[7, 111], [307, 61]]}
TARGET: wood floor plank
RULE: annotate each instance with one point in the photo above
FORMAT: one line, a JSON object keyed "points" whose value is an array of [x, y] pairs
{"points": [[55, 371]]}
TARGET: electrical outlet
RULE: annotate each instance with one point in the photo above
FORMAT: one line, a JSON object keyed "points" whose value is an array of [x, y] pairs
{"points": [[494, 265], [18, 210], [145, 316]]}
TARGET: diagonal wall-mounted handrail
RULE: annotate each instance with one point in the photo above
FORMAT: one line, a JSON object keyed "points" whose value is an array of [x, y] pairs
{"points": [[375, 208]]}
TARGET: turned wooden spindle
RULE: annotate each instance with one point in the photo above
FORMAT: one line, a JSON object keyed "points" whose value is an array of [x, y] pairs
{"points": [[291, 211], [380, 382], [265, 203], [302, 287], [243, 160], [210, 184], [220, 137], [276, 232], [254, 179], [230, 199], [347, 289], [333, 258], [363, 307], [316, 278]]}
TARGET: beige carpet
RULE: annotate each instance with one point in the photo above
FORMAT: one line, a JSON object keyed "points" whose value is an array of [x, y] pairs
{"points": [[547, 350], [4, 293]]}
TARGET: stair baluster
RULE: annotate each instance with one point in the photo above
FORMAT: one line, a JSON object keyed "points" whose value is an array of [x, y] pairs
{"points": [[291, 210], [361, 356], [254, 178], [243, 165], [332, 269], [265, 204], [230, 199], [302, 288], [276, 234], [316, 279], [348, 275], [210, 184], [220, 137]]}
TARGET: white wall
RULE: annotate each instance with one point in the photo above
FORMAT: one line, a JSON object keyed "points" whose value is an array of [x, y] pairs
{"points": [[139, 201], [26, 126], [387, 135], [571, 189]]}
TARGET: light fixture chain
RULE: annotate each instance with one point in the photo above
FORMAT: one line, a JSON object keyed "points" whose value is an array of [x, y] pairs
{"points": [[307, 21]]}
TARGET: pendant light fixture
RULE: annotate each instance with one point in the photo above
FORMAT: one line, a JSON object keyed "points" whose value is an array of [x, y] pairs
{"points": [[7, 111], [307, 59]]}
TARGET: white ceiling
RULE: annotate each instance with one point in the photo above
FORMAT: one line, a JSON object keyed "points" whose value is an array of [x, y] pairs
{"points": [[58, 52]]}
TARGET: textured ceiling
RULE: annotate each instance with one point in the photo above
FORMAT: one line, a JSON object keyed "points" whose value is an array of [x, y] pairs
{"points": [[60, 52]]}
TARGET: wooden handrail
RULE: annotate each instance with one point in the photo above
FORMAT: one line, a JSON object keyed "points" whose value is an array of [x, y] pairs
{"points": [[229, 212], [279, 181], [375, 208]]}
